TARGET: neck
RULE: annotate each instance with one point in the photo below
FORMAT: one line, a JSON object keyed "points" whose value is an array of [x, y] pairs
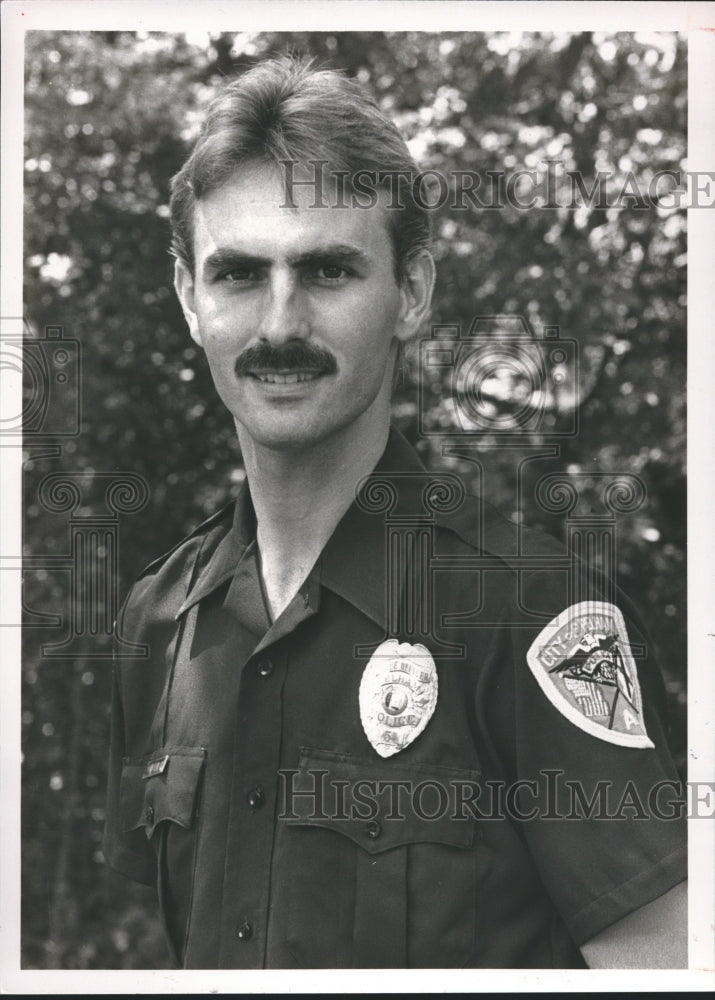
{"points": [[300, 495]]}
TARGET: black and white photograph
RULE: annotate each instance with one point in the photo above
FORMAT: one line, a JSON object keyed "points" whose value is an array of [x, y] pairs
{"points": [[357, 413]]}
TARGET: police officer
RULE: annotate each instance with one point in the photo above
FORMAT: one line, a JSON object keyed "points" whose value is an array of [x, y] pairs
{"points": [[365, 727]]}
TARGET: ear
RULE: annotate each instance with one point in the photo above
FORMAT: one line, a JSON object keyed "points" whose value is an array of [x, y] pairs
{"points": [[415, 294], [184, 285]]}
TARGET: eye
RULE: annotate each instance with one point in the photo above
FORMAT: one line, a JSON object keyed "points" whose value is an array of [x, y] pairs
{"points": [[331, 273], [239, 274]]}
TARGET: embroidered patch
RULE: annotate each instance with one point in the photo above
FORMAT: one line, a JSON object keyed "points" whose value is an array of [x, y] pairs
{"points": [[583, 663], [398, 694]]}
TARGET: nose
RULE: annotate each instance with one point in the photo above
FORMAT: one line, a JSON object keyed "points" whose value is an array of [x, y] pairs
{"points": [[283, 310]]}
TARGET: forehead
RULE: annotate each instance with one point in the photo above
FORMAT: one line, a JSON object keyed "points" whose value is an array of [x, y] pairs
{"points": [[252, 210]]}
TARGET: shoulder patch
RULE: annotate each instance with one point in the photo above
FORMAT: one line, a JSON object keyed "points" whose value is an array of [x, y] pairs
{"points": [[583, 663]]}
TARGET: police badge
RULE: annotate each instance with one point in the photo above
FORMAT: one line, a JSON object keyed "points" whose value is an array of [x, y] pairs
{"points": [[398, 694], [583, 663]]}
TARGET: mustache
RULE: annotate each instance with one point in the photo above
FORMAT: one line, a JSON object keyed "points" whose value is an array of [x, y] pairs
{"points": [[294, 356]]}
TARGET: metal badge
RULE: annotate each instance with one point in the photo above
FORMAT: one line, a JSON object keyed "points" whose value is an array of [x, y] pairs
{"points": [[584, 665], [398, 694], [155, 767]]}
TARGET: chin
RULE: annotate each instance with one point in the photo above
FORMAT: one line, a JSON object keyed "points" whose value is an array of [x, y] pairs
{"points": [[295, 435], [290, 438]]}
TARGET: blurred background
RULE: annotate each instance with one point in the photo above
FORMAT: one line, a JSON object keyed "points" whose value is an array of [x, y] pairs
{"points": [[109, 118]]}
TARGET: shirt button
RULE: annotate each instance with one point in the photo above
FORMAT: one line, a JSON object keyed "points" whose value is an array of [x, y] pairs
{"points": [[265, 668], [244, 931], [256, 798], [149, 814], [373, 829]]}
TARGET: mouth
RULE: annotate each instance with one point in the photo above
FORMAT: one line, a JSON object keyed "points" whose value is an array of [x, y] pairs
{"points": [[286, 377]]}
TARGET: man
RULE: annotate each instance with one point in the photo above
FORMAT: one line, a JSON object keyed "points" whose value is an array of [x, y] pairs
{"points": [[306, 784]]}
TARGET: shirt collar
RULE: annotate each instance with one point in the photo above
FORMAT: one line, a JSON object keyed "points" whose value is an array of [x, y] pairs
{"points": [[353, 563], [215, 567]]}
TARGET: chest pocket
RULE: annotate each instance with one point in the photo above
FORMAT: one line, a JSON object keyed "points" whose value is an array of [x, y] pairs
{"points": [[160, 795], [377, 863]]}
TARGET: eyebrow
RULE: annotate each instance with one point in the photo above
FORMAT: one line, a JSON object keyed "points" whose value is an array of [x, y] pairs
{"points": [[342, 253]]}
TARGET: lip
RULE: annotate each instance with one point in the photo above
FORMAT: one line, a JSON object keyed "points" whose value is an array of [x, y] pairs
{"points": [[289, 377]]}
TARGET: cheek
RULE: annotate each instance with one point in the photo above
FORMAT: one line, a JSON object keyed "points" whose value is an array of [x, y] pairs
{"points": [[213, 321], [220, 330], [221, 358], [375, 317], [377, 336]]}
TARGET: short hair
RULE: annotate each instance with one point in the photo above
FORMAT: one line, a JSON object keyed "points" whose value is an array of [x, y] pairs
{"points": [[282, 110]]}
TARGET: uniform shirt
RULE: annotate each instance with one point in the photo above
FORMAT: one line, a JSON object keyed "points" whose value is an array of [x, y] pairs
{"points": [[243, 785]]}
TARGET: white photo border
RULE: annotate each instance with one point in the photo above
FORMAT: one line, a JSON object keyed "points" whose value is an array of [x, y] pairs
{"points": [[697, 20]]}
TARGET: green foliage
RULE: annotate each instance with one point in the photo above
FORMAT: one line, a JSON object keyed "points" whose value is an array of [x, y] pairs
{"points": [[109, 119]]}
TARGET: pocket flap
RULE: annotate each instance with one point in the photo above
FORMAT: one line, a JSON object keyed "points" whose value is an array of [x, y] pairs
{"points": [[381, 804], [161, 786]]}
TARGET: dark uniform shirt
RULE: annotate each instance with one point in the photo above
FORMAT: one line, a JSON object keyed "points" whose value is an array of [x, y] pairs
{"points": [[243, 784]]}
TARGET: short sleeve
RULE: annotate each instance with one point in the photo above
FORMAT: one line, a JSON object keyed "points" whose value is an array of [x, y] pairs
{"points": [[599, 802]]}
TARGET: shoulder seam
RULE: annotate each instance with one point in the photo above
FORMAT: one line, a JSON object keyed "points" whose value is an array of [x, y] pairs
{"points": [[487, 509], [202, 528]]}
